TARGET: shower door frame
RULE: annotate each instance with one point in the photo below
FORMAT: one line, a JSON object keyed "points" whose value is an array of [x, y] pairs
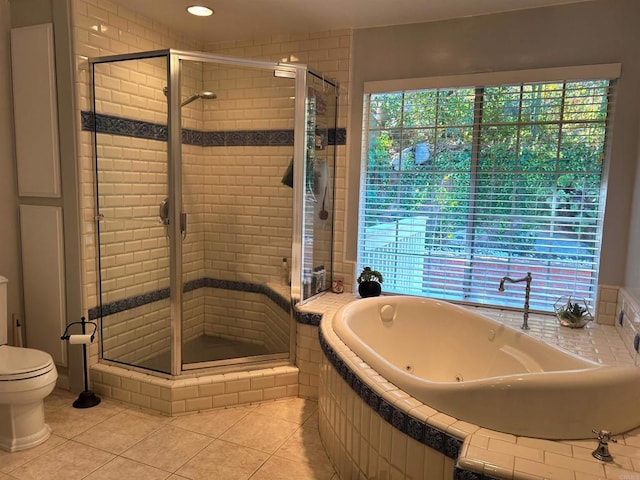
{"points": [[174, 172]]}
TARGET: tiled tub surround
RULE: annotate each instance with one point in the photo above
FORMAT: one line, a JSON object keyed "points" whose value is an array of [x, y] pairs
{"points": [[362, 442], [475, 369]]}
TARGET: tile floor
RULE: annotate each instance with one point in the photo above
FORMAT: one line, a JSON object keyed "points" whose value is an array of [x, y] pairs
{"points": [[268, 441]]}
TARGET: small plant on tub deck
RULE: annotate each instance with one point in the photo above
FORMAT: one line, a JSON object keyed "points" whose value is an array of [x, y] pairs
{"points": [[369, 283], [572, 314]]}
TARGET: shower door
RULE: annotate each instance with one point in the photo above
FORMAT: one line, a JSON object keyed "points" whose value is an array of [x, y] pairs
{"points": [[131, 154], [237, 142], [319, 191], [194, 159]]}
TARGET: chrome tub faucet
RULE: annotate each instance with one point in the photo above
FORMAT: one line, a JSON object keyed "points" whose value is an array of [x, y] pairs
{"points": [[527, 293]]}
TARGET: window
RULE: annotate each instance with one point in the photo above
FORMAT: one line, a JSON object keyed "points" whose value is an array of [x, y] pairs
{"points": [[462, 186]]}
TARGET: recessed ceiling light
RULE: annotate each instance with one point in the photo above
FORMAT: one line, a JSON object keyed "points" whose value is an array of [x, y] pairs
{"points": [[200, 10]]}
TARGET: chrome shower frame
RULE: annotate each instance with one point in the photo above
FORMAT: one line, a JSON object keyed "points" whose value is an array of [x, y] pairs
{"points": [[174, 154]]}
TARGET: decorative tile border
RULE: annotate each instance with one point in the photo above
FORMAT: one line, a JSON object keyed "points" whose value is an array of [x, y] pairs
{"points": [[308, 318], [123, 126], [418, 430], [462, 474], [161, 294], [114, 125]]}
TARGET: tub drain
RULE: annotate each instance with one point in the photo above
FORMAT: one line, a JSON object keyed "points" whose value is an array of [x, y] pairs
{"points": [[408, 367], [459, 378]]}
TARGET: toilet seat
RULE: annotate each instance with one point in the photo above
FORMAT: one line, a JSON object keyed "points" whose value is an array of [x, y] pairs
{"points": [[23, 363]]}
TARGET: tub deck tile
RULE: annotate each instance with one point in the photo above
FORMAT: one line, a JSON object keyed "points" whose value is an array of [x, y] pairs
{"points": [[484, 454], [462, 429]]}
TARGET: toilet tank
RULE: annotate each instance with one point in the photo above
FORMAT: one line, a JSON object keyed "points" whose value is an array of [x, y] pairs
{"points": [[3, 310]]}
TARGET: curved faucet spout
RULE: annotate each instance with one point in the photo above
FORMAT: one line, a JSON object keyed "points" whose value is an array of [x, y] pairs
{"points": [[527, 293]]}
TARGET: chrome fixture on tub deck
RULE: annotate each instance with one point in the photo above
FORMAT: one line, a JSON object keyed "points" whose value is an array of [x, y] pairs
{"points": [[602, 452], [527, 293]]}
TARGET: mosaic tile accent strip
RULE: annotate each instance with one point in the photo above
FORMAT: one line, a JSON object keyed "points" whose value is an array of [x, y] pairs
{"points": [[420, 431], [128, 303], [150, 297], [462, 474], [308, 318], [123, 126], [114, 125]]}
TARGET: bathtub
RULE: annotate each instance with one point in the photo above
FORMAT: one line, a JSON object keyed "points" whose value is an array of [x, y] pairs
{"points": [[478, 370]]}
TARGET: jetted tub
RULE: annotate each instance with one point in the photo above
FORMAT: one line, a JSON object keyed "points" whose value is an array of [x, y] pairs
{"points": [[478, 370]]}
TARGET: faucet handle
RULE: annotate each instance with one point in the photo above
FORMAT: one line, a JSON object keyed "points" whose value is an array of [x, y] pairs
{"points": [[602, 450], [604, 436]]}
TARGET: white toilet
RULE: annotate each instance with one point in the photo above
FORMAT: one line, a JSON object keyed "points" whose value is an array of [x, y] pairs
{"points": [[27, 376]]}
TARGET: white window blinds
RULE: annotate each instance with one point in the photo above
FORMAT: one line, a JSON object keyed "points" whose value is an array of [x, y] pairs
{"points": [[462, 186]]}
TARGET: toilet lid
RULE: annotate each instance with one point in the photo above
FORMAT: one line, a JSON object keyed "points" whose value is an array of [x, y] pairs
{"points": [[19, 363]]}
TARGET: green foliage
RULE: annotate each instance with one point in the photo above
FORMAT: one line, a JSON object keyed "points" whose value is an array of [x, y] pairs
{"points": [[573, 311], [531, 154], [369, 275]]}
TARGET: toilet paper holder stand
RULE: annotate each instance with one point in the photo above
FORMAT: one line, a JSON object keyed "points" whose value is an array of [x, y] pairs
{"points": [[87, 398]]}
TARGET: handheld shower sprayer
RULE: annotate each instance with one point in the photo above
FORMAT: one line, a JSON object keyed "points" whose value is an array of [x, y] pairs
{"points": [[204, 94]]}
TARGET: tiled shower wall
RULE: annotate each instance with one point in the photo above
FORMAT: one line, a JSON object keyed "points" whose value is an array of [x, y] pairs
{"points": [[627, 322], [248, 317], [107, 29], [103, 28], [328, 53]]}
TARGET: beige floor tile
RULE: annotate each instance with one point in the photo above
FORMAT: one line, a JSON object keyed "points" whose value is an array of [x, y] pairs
{"points": [[149, 415], [296, 410], [277, 468], [59, 398], [223, 460], [68, 422], [168, 448], [260, 431], [180, 448], [68, 461], [305, 446], [312, 421], [122, 468], [119, 432], [11, 461], [213, 423]]}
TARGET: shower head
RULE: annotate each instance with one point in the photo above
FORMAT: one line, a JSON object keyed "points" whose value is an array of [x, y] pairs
{"points": [[205, 95]]}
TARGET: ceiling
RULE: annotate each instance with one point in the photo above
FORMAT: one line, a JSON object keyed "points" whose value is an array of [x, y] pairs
{"points": [[258, 19]]}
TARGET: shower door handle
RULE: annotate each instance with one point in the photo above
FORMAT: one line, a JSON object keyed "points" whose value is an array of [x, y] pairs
{"points": [[164, 211], [164, 217], [183, 225]]}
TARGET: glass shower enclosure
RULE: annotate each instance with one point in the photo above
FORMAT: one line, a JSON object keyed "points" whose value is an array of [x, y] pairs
{"points": [[199, 160]]}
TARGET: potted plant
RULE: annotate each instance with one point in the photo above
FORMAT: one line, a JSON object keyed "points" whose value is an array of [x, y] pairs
{"points": [[572, 314], [369, 283]]}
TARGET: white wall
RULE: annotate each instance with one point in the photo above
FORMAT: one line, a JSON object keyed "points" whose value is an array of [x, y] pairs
{"points": [[632, 277], [9, 231]]}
